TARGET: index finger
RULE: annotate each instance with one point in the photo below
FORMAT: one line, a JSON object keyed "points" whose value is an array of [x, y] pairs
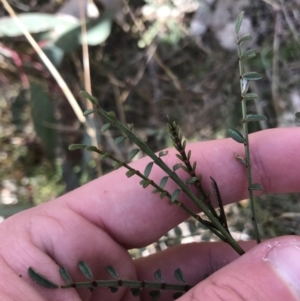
{"points": [[135, 217]]}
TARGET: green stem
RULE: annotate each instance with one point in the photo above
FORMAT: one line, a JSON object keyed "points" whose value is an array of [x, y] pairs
{"points": [[129, 283], [174, 177], [247, 146], [204, 222]]}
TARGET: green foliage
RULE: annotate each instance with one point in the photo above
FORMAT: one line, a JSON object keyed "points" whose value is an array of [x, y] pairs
{"points": [[43, 116], [215, 220], [245, 78]]}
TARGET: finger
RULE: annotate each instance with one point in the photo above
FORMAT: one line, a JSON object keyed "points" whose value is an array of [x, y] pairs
{"points": [[196, 261], [135, 217], [37, 239], [269, 271]]}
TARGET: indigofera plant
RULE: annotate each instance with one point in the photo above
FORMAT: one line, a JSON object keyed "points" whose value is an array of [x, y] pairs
{"points": [[213, 219]]}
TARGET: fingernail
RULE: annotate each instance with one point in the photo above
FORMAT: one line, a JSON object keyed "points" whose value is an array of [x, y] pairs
{"points": [[285, 260]]}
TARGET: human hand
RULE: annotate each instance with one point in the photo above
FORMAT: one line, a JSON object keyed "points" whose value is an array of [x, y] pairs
{"points": [[100, 221]]}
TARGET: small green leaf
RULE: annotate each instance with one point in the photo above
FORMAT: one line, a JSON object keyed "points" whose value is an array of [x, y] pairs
{"points": [[85, 269], [104, 156], [158, 275], [135, 291], [255, 186], [250, 96], [189, 154], [251, 75], [145, 183], [163, 194], [117, 165], [130, 126], [77, 146], [222, 216], [88, 112], [244, 38], [177, 166], [175, 195], [185, 168], [112, 272], [92, 148], [238, 22], [162, 153], [255, 117], [154, 191], [130, 173], [112, 115], [65, 275], [133, 153], [191, 180], [93, 99], [154, 295], [163, 182], [148, 169], [177, 295], [113, 289], [120, 139], [179, 157], [194, 166], [184, 144], [236, 136], [105, 127], [248, 54], [40, 279], [178, 275]]}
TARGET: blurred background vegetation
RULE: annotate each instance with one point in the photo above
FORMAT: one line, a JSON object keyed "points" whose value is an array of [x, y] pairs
{"points": [[146, 60]]}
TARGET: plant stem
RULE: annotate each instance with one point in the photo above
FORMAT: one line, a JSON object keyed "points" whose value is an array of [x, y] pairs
{"points": [[227, 237], [128, 283], [247, 145]]}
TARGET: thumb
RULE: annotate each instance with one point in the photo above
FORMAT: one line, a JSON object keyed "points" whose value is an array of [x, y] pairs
{"points": [[269, 271]]}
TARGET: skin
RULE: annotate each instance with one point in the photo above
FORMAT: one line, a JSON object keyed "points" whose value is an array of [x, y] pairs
{"points": [[100, 221]]}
